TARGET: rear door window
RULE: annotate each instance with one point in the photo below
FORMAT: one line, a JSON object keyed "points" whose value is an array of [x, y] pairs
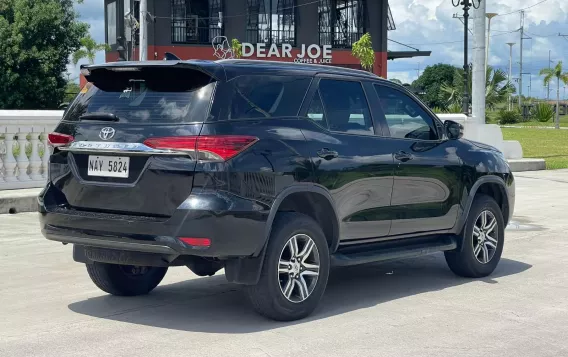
{"points": [[254, 96], [149, 95], [346, 108]]}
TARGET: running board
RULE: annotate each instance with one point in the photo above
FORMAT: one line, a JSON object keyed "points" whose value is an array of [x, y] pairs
{"points": [[392, 251]]}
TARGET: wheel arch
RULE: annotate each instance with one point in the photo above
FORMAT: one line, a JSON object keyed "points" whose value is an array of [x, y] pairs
{"points": [[491, 185], [310, 199], [314, 201]]}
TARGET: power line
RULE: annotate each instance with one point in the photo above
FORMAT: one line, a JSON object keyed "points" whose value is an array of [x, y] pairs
{"points": [[460, 41], [526, 8], [541, 36]]}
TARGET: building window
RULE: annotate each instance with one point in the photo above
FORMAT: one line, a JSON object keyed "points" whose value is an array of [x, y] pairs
{"points": [[341, 22], [271, 21], [111, 23], [196, 21]]}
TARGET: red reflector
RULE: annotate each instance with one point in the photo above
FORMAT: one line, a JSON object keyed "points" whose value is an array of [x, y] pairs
{"points": [[208, 147], [57, 139], [196, 242]]}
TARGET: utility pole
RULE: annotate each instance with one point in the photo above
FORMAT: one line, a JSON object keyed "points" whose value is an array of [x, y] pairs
{"points": [[511, 44], [143, 52], [523, 37], [521, 63]]}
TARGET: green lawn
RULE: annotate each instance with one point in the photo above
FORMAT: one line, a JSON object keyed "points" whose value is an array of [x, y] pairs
{"points": [[548, 144]]}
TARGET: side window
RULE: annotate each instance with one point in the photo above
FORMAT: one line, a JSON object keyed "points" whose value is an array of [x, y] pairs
{"points": [[346, 107], [255, 96], [316, 112], [405, 118]]}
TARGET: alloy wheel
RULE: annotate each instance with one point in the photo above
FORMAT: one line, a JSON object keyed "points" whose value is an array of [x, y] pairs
{"points": [[485, 237], [298, 268]]}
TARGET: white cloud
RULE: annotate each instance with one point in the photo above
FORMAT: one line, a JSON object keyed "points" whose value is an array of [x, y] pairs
{"points": [[426, 23]]}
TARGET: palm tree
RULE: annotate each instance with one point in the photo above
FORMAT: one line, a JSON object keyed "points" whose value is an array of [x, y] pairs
{"points": [[549, 74], [88, 50], [497, 88]]}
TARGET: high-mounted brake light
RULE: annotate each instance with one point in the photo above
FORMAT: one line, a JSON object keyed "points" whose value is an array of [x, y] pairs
{"points": [[206, 147], [58, 139]]}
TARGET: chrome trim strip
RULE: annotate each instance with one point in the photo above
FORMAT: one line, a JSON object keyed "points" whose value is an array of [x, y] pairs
{"points": [[117, 148]]}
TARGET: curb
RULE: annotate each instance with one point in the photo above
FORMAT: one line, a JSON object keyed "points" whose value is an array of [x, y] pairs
{"points": [[522, 165], [18, 201]]}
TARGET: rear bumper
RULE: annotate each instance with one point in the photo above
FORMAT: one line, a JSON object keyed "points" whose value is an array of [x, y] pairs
{"points": [[235, 226]]}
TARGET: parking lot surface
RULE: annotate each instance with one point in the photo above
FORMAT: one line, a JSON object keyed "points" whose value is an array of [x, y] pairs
{"points": [[416, 307]]}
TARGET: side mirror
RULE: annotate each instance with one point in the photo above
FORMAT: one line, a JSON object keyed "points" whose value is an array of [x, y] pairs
{"points": [[453, 129]]}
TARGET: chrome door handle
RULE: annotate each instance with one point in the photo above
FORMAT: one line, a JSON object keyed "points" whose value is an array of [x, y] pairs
{"points": [[403, 156], [327, 154]]}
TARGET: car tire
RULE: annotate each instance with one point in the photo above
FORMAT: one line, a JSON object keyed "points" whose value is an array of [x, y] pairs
{"points": [[125, 280], [287, 292], [481, 245]]}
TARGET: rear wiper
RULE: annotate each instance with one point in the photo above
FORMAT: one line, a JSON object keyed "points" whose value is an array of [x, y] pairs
{"points": [[99, 116]]}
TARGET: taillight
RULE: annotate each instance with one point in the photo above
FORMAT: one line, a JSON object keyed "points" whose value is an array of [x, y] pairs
{"points": [[207, 147], [57, 139]]}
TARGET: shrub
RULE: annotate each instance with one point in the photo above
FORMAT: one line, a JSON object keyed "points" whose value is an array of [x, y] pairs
{"points": [[542, 112], [439, 110], [509, 117], [455, 108]]}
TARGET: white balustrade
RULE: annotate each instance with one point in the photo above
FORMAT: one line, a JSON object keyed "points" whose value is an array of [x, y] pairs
{"points": [[24, 132]]}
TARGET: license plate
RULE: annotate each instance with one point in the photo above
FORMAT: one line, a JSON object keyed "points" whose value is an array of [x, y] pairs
{"points": [[108, 166]]}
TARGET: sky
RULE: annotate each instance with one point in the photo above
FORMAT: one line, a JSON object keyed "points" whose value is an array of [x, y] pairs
{"points": [[429, 25]]}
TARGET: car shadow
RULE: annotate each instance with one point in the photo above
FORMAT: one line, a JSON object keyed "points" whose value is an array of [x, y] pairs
{"points": [[211, 305]]}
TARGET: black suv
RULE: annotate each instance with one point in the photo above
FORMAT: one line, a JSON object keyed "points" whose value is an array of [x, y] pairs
{"points": [[273, 171]]}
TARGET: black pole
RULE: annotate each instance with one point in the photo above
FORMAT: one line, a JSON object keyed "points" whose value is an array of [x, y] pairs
{"points": [[467, 5], [465, 106]]}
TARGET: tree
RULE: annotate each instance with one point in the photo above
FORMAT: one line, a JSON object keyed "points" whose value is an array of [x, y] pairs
{"points": [[36, 40], [430, 82], [71, 91], [549, 74], [237, 48], [88, 50], [497, 88], [363, 51]]}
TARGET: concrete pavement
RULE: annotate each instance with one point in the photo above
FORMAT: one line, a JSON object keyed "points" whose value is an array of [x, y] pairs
{"points": [[49, 307]]}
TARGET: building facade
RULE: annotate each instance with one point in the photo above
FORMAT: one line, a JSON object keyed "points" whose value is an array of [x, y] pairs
{"points": [[312, 31]]}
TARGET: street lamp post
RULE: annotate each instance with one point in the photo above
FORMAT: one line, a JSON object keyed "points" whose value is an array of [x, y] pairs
{"points": [[467, 5], [489, 16]]}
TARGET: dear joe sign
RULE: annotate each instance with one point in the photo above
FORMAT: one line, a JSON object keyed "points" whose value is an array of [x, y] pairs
{"points": [[307, 54]]}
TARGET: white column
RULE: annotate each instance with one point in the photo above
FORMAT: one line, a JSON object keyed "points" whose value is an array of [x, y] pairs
{"points": [[22, 159], [45, 157], [478, 91], [9, 160], [35, 160], [143, 49]]}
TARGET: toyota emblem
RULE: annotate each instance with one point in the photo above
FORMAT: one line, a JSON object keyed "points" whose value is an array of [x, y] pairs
{"points": [[107, 133]]}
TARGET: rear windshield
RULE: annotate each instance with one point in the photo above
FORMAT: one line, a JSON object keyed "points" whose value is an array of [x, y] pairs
{"points": [[164, 95], [256, 96]]}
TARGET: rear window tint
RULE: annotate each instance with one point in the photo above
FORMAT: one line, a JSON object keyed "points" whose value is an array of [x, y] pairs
{"points": [[147, 96], [259, 97]]}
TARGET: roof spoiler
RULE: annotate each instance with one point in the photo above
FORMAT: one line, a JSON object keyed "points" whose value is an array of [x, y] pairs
{"points": [[209, 68]]}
